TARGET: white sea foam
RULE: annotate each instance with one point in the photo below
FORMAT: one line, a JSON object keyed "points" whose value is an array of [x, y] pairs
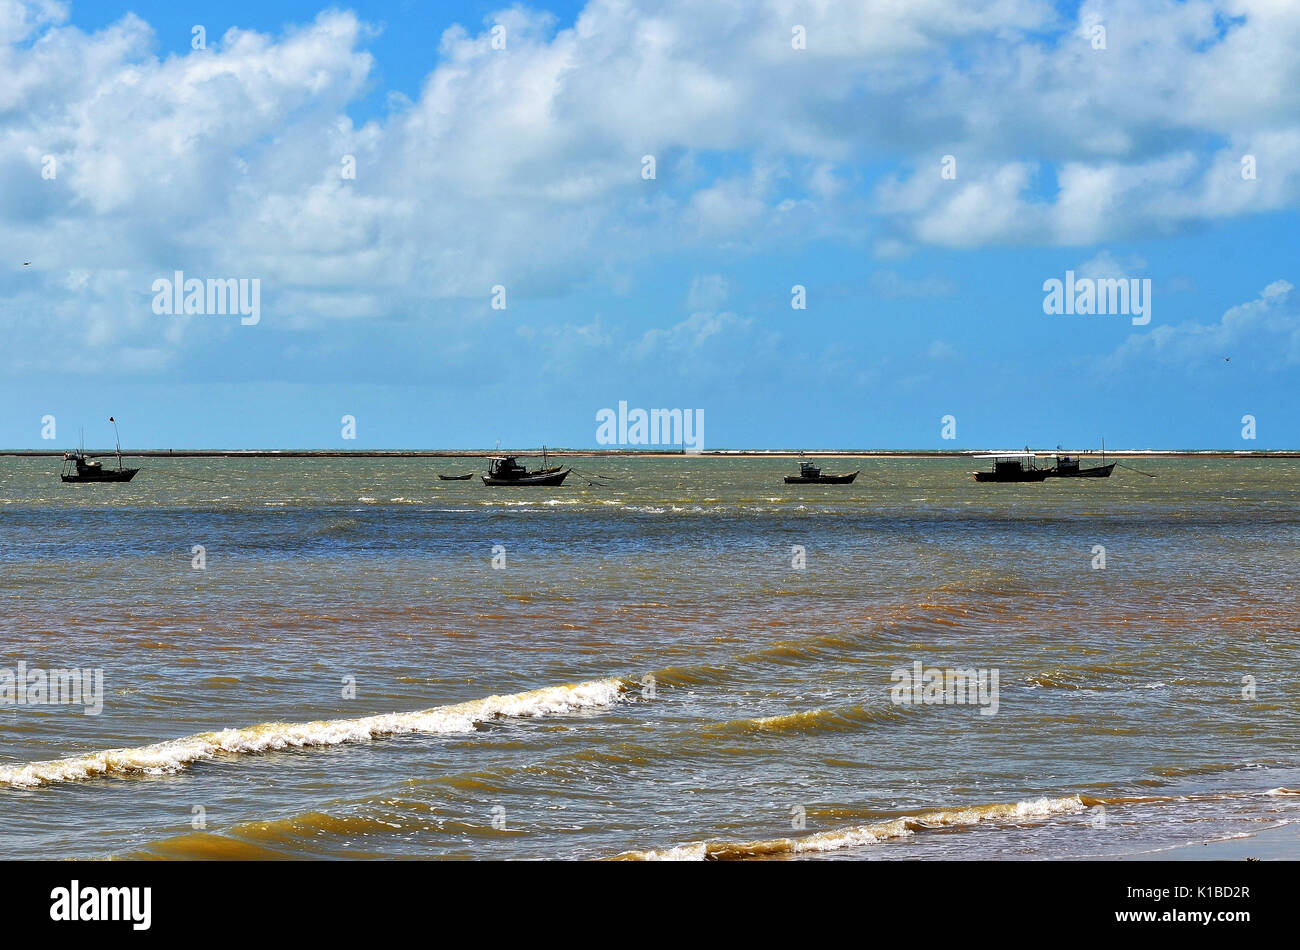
{"points": [[860, 835], [175, 755]]}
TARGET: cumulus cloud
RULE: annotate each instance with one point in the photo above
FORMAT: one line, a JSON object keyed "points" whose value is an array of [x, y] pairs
{"points": [[522, 167], [19, 19], [1259, 333]]}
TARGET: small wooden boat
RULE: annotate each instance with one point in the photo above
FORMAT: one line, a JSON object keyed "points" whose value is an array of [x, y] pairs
{"points": [[1012, 467], [1068, 467], [506, 470], [455, 478], [78, 467], [811, 474]]}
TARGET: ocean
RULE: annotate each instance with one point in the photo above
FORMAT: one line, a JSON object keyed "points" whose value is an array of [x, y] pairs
{"points": [[684, 658]]}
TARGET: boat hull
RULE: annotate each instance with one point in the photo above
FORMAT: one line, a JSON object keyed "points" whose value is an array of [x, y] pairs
{"points": [[1097, 471], [542, 479], [121, 475], [455, 478], [822, 479], [1029, 475]]}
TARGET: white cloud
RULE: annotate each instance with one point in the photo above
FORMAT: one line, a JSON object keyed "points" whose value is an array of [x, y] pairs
{"points": [[982, 206], [1106, 266], [708, 292], [688, 339], [19, 19], [1259, 333], [889, 283], [522, 167], [941, 350]]}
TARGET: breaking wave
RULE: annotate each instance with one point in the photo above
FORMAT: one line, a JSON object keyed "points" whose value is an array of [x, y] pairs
{"points": [[175, 755], [859, 835]]}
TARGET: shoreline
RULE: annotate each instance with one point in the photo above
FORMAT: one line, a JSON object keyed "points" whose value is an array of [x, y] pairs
{"points": [[632, 453], [1279, 842]]}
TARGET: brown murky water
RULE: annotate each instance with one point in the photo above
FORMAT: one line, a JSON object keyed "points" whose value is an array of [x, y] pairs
{"points": [[650, 672]]}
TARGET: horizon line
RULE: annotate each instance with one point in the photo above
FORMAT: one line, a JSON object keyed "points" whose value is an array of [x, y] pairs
{"points": [[661, 452]]}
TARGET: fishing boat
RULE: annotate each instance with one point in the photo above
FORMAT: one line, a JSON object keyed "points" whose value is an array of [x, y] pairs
{"points": [[1012, 467], [811, 474], [1068, 466], [455, 478], [506, 470], [78, 467]]}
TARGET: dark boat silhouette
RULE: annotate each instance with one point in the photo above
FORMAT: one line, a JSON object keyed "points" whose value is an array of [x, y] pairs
{"points": [[811, 474], [1012, 467], [506, 470], [455, 478], [91, 470], [1068, 467], [78, 467]]}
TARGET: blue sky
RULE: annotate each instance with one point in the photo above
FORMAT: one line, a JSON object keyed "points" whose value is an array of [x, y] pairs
{"points": [[522, 167]]}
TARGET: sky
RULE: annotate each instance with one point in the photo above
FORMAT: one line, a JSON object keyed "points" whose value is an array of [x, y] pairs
{"points": [[458, 240]]}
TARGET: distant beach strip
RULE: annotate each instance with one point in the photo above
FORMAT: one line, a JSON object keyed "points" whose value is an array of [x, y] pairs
{"points": [[655, 454]]}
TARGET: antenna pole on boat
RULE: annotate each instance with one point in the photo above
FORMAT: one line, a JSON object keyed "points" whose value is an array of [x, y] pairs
{"points": [[118, 439]]}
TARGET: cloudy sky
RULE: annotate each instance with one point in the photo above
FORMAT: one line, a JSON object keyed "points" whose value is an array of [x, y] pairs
{"points": [[920, 167]]}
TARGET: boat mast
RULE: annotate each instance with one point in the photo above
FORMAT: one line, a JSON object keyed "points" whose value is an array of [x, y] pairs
{"points": [[118, 439]]}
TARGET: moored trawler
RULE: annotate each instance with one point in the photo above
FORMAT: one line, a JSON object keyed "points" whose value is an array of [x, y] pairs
{"points": [[811, 474], [84, 469], [506, 470], [1012, 467], [78, 467], [1067, 466]]}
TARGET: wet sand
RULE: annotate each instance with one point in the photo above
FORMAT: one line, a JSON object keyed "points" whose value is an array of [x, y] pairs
{"points": [[1278, 843]]}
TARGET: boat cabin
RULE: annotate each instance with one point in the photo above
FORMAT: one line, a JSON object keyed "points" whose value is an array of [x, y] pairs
{"points": [[505, 466], [84, 465], [508, 467], [1010, 466], [809, 469]]}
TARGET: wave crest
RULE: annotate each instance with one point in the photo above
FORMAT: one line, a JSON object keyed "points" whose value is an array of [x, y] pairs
{"points": [[175, 755], [859, 835]]}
